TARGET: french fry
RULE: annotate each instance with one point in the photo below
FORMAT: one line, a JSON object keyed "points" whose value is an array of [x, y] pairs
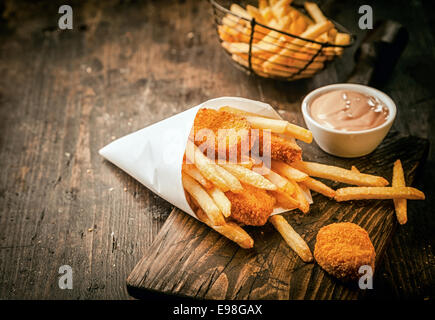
{"points": [[192, 171], [341, 39], [221, 201], [296, 44], [279, 10], [282, 183], [209, 171], [255, 13], [299, 133], [306, 192], [267, 14], [232, 181], [203, 200], [399, 181], [225, 33], [249, 177], [319, 187], [246, 162], [292, 238], [229, 230], [297, 13], [285, 200], [339, 174], [315, 12], [274, 125], [263, 4], [303, 205], [361, 193], [288, 171], [213, 172], [238, 10], [298, 26], [354, 169]]}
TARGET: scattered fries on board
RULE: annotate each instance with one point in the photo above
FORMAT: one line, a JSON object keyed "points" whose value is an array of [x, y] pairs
{"points": [[285, 43], [243, 184]]}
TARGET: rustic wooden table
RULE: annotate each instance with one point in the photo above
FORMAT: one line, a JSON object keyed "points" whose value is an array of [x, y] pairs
{"points": [[66, 93]]}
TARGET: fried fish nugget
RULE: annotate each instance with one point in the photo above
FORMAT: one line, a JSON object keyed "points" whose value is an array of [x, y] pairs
{"points": [[222, 129], [280, 148], [252, 206], [342, 248]]}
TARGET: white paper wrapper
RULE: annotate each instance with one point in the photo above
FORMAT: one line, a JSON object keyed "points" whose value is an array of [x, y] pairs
{"points": [[154, 155]]}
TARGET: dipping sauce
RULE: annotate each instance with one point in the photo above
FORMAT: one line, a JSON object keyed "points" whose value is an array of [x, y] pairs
{"points": [[347, 110]]}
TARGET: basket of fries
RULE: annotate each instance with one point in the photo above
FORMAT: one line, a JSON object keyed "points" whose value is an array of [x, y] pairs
{"points": [[278, 40]]}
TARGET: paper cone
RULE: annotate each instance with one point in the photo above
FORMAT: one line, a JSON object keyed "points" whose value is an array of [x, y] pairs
{"points": [[154, 155]]}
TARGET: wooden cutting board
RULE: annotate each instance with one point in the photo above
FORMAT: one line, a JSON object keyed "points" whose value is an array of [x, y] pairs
{"points": [[189, 259]]}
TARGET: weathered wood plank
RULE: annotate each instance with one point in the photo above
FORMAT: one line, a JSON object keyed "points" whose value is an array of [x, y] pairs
{"points": [[190, 259], [125, 65]]}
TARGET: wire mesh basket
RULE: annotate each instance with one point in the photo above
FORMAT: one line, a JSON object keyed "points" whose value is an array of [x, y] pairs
{"points": [[264, 49]]}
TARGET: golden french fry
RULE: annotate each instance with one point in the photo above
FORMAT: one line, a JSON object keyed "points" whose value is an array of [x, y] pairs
{"points": [[296, 44], [279, 10], [354, 169], [282, 183], [339, 174], [304, 206], [288, 171], [284, 24], [236, 47], [255, 13], [249, 177], [225, 34], [232, 182], [210, 170], [203, 200], [267, 14], [299, 133], [399, 181], [244, 62], [292, 238], [298, 26], [285, 200], [295, 13], [315, 12], [246, 162], [361, 193], [274, 125], [319, 187], [341, 39], [229, 230], [282, 3], [221, 201], [263, 4], [192, 171], [238, 10]]}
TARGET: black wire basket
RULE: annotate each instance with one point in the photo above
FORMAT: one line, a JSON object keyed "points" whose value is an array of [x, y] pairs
{"points": [[270, 52]]}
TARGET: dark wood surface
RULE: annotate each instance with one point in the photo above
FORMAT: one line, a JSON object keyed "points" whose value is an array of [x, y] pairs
{"points": [[125, 65], [189, 259]]}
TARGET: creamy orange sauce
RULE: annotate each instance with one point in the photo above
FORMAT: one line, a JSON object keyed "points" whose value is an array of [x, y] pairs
{"points": [[346, 110]]}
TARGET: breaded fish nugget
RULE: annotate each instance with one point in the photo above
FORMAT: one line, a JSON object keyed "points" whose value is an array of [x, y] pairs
{"points": [[220, 128], [280, 148], [252, 207], [342, 248]]}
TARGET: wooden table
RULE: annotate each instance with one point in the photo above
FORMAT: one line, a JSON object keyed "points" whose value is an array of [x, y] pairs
{"points": [[66, 93]]}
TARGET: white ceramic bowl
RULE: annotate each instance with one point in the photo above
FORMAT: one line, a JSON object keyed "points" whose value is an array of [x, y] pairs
{"points": [[348, 144]]}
